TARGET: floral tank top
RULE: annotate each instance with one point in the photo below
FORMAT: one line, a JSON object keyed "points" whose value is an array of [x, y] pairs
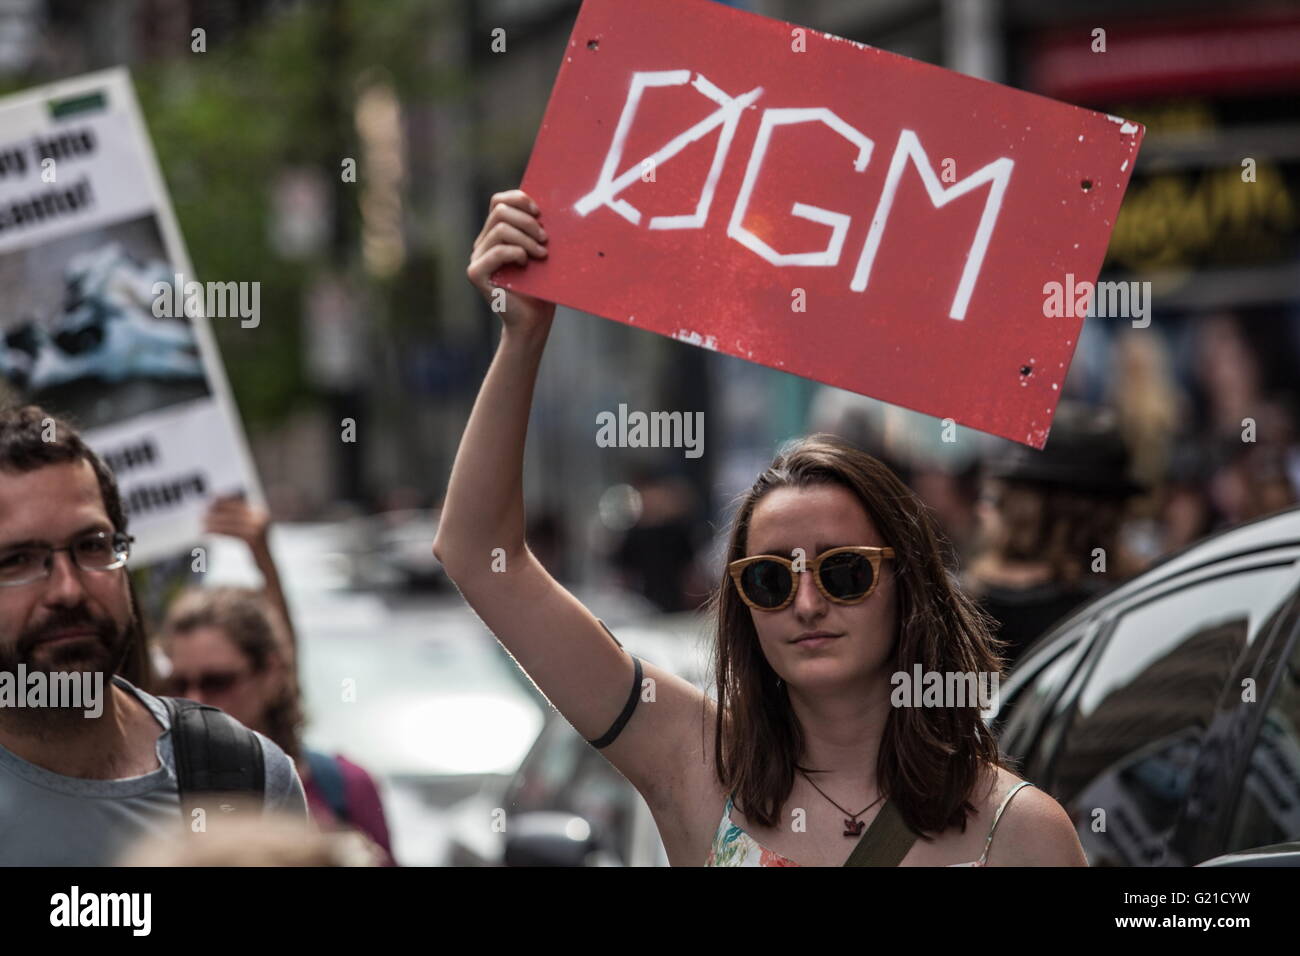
{"points": [[732, 846]]}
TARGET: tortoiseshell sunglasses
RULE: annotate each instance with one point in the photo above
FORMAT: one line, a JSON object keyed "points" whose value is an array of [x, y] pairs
{"points": [[844, 575]]}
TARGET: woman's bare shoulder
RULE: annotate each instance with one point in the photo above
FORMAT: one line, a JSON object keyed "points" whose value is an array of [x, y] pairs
{"points": [[1033, 830]]}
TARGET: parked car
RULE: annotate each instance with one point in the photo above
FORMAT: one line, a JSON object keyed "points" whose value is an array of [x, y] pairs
{"points": [[1164, 715], [412, 687], [393, 550], [567, 805]]}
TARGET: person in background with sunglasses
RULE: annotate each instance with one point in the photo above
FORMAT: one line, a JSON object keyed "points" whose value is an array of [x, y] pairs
{"points": [[76, 788], [232, 648], [836, 582]]}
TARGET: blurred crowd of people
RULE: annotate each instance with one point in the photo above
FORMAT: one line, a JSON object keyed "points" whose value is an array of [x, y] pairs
{"points": [[1162, 439]]}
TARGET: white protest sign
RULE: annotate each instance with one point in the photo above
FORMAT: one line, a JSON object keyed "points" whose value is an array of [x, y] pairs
{"points": [[89, 248]]}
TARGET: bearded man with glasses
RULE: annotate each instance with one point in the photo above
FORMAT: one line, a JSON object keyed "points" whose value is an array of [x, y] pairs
{"points": [[66, 607]]}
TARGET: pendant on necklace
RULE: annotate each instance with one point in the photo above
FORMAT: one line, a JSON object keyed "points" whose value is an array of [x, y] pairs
{"points": [[853, 827]]}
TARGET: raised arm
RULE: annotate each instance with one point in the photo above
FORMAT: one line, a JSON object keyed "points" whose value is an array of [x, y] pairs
{"points": [[237, 518], [553, 637]]}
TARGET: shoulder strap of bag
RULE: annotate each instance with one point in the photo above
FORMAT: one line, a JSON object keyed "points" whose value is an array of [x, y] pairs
{"points": [[215, 756], [328, 777], [886, 841]]}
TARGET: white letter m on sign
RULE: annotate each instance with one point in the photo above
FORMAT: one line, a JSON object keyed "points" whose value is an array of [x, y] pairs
{"points": [[997, 172]]}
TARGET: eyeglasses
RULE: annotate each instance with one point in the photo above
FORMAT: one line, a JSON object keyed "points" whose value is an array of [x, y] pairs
{"points": [[844, 575], [214, 682], [95, 551]]}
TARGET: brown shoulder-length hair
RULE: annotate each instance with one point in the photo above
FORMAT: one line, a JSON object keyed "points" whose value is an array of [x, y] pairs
{"points": [[247, 618], [930, 758]]}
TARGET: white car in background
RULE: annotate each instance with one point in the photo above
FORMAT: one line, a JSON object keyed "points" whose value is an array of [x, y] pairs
{"points": [[415, 688], [567, 805], [416, 691]]}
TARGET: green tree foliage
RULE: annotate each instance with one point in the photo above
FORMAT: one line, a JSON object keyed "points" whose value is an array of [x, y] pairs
{"points": [[227, 122]]}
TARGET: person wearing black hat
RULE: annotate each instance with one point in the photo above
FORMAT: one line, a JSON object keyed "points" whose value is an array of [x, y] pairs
{"points": [[1051, 526]]}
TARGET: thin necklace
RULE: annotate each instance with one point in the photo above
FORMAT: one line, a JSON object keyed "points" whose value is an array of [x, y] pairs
{"points": [[852, 825]]}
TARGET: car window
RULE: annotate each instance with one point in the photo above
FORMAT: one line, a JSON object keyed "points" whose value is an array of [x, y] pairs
{"points": [[1017, 732], [1268, 810], [1134, 731]]}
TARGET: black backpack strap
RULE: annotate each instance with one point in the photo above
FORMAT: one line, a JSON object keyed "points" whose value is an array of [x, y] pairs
{"points": [[215, 755]]}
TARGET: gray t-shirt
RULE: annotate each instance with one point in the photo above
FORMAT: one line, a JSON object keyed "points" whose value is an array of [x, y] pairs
{"points": [[48, 819]]}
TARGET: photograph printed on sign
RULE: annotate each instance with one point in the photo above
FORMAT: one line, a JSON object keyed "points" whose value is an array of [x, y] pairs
{"points": [[79, 335]]}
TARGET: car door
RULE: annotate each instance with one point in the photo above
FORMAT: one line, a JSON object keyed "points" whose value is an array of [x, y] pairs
{"points": [[1120, 748], [1259, 804]]}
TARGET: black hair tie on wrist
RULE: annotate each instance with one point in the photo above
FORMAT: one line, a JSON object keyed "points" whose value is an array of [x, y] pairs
{"points": [[611, 735]]}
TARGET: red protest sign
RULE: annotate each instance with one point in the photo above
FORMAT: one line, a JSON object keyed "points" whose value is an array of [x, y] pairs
{"points": [[823, 207]]}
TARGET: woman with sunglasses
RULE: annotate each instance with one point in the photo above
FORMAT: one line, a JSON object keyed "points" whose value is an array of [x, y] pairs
{"points": [[836, 582], [236, 649]]}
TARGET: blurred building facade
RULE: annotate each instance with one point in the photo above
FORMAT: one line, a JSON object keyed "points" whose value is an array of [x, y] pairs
{"points": [[388, 330]]}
